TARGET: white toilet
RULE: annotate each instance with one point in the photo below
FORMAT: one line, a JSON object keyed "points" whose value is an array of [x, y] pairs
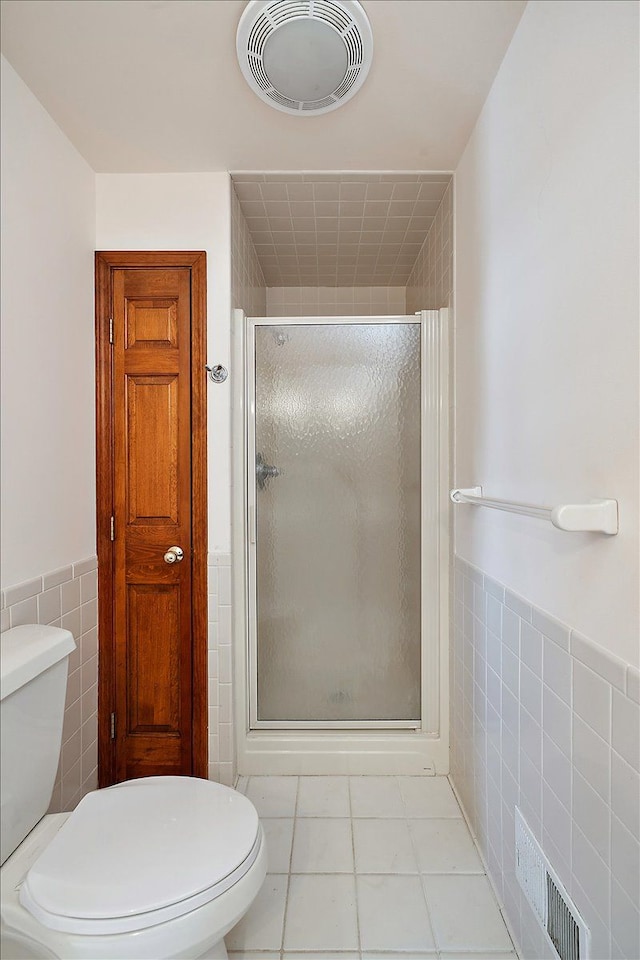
{"points": [[156, 868]]}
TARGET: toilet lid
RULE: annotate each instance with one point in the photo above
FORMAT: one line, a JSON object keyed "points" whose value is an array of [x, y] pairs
{"points": [[141, 847]]}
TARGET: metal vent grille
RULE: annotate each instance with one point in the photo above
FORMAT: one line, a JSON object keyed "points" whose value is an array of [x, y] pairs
{"points": [[530, 870], [547, 897], [345, 17], [563, 930]]}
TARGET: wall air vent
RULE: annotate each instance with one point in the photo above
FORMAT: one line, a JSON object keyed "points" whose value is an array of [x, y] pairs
{"points": [[547, 897], [304, 56]]}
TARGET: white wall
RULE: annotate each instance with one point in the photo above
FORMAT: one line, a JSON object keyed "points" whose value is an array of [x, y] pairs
{"points": [[48, 216], [184, 212], [547, 314]]}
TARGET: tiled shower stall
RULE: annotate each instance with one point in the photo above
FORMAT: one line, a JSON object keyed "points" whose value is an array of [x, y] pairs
{"points": [[394, 282]]}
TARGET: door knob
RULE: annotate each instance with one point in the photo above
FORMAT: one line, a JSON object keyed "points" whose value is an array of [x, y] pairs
{"points": [[174, 555]]}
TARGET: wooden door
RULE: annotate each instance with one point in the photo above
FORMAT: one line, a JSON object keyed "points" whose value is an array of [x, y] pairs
{"points": [[152, 505]]}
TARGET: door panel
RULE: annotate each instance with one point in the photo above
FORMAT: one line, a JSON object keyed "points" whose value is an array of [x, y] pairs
{"points": [[152, 513], [337, 488], [153, 672], [152, 323], [152, 449], [157, 618]]}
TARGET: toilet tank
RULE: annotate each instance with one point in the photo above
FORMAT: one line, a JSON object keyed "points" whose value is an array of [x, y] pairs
{"points": [[34, 662]]}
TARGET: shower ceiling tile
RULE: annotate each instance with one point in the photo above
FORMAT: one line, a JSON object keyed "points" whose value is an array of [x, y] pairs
{"points": [[302, 208], [281, 224], [328, 229], [326, 208], [260, 237], [277, 208], [270, 191], [406, 191], [351, 208], [353, 191], [401, 208], [326, 191], [248, 191], [376, 208], [253, 208], [380, 191], [374, 223]]}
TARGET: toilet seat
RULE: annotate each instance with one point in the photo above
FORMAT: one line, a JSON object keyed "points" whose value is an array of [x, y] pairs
{"points": [[141, 853]]}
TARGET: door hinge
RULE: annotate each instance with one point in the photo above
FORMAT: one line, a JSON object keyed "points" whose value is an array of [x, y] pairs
{"points": [[113, 726], [113, 528], [110, 329]]}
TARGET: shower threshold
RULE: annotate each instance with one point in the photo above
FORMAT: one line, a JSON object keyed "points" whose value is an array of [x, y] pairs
{"points": [[362, 752], [332, 725]]}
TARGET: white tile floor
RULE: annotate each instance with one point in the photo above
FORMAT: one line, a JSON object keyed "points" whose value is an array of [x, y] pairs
{"points": [[367, 867]]}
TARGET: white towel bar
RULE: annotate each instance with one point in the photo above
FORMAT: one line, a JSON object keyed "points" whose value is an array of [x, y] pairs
{"points": [[597, 516]]}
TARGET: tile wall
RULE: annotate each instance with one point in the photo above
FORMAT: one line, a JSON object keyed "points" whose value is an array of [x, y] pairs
{"points": [[222, 765], [335, 301], [248, 290], [67, 598], [430, 285], [339, 229], [546, 720], [248, 293]]}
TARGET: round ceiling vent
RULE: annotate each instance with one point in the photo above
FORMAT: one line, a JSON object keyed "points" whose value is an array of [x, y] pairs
{"points": [[304, 56]]}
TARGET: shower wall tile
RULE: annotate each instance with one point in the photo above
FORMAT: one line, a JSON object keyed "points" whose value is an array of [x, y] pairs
{"points": [[430, 284], [222, 764], [248, 291], [335, 301], [545, 720], [336, 229], [67, 598]]}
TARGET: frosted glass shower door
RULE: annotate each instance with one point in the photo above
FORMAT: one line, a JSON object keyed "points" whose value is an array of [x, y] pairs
{"points": [[335, 477]]}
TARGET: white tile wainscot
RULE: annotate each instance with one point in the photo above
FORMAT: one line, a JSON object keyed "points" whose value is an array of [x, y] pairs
{"points": [[67, 598], [546, 720], [222, 765]]}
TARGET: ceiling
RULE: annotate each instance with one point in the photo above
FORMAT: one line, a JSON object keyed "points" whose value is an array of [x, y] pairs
{"points": [[154, 85], [338, 230]]}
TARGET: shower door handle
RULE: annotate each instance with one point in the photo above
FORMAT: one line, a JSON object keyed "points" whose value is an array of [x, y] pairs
{"points": [[265, 471]]}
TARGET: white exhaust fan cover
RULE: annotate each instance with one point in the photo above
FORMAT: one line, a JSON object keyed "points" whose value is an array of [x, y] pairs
{"points": [[304, 56]]}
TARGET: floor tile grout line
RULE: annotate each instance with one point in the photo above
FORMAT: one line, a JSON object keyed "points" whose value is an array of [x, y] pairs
{"points": [[437, 951], [432, 928], [286, 898], [355, 874], [323, 816]]}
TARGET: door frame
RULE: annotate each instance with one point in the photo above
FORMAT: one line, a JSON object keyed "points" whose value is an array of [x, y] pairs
{"points": [[292, 748], [427, 720], [105, 263]]}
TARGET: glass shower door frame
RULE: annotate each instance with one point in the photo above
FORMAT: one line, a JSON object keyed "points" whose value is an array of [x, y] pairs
{"points": [[431, 452]]}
